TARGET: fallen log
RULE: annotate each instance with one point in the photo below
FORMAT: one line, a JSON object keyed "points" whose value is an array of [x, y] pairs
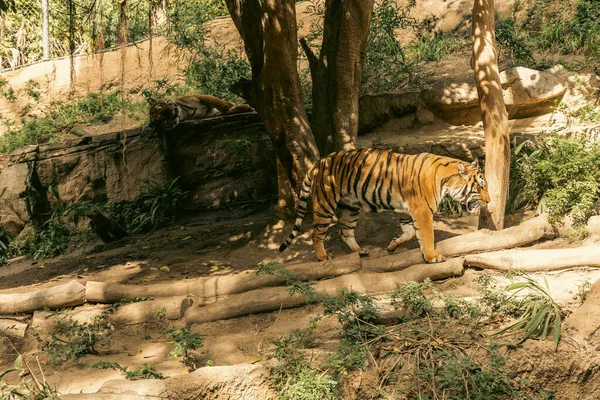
{"points": [[272, 299], [532, 260], [134, 313], [68, 294], [482, 240], [11, 327], [211, 288]]}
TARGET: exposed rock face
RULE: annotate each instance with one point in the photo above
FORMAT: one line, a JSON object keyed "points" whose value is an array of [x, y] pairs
{"points": [[223, 161], [220, 161], [378, 108]]}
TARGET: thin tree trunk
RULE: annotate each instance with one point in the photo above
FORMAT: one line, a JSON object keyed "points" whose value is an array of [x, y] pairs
{"points": [[269, 31], [494, 115], [337, 73]]}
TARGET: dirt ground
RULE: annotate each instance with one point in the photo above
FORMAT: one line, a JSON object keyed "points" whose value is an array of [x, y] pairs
{"points": [[203, 245]]}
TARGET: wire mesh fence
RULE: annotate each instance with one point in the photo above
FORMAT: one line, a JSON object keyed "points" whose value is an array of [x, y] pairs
{"points": [[36, 30]]}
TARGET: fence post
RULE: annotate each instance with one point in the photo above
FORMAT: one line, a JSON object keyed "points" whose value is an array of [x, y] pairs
{"points": [[45, 31]]}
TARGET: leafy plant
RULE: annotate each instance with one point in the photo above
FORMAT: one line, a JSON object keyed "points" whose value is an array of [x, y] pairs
{"points": [[411, 296], [512, 43], [583, 289], [184, 342], [540, 312], [156, 205], [72, 339], [564, 171], [384, 48], [294, 285], [296, 376], [144, 372]]}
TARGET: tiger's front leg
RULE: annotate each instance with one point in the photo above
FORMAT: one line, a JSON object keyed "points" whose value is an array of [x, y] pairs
{"points": [[423, 223]]}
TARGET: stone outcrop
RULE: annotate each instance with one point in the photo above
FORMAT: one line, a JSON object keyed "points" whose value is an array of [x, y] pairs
{"points": [[527, 93], [220, 161]]}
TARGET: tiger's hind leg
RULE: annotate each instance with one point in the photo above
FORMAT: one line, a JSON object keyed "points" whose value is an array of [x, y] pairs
{"points": [[348, 219], [322, 224], [408, 233]]}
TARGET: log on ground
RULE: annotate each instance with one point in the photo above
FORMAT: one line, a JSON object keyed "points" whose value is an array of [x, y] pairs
{"points": [[272, 299], [482, 240], [13, 328], [68, 294], [532, 260], [135, 313], [211, 288]]}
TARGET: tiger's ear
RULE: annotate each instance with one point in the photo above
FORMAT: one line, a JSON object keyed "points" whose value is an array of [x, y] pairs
{"points": [[462, 170], [475, 163], [150, 100]]}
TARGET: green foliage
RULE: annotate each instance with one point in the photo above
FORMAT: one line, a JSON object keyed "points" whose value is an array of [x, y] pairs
{"points": [[296, 376], [36, 388], [583, 290], [387, 67], [565, 171], [354, 312], [185, 341], [294, 285], [541, 313], [568, 31], [215, 70], [155, 206], [436, 47], [59, 118], [513, 44], [495, 299], [71, 339], [411, 296], [144, 372], [465, 377]]}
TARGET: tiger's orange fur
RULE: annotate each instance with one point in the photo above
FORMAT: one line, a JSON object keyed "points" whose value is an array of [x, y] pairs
{"points": [[369, 179]]}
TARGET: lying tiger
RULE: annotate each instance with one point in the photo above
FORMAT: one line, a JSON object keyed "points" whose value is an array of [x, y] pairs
{"points": [[376, 180], [167, 114]]}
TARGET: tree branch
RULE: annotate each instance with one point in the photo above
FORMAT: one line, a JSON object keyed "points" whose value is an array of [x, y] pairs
{"points": [[313, 60]]}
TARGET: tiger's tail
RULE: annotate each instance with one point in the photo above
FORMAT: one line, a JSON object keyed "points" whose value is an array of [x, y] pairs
{"points": [[300, 208]]}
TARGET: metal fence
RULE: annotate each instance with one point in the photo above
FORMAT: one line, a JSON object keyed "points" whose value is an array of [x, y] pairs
{"points": [[35, 30]]}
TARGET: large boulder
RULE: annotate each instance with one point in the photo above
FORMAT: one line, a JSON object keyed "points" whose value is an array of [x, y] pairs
{"points": [[526, 93]]}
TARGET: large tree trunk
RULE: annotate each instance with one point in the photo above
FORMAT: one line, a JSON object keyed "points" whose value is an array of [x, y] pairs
{"points": [[337, 73], [493, 111], [269, 31]]}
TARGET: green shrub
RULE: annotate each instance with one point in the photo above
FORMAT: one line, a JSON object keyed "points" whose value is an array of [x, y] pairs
{"points": [[71, 339], [513, 44], [144, 372], [436, 47], [296, 376], [185, 341], [156, 205], [565, 171], [386, 65], [411, 296], [215, 70]]}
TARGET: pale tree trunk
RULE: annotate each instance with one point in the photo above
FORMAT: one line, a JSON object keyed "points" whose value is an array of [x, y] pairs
{"points": [[269, 31], [337, 73], [493, 111]]}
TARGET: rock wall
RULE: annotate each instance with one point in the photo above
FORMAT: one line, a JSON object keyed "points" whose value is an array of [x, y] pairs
{"points": [[221, 161]]}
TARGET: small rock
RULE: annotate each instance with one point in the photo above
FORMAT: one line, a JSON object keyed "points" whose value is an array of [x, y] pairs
{"points": [[593, 225], [425, 117]]}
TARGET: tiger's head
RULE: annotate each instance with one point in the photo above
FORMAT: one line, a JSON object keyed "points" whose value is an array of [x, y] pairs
{"points": [[163, 114], [469, 187]]}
